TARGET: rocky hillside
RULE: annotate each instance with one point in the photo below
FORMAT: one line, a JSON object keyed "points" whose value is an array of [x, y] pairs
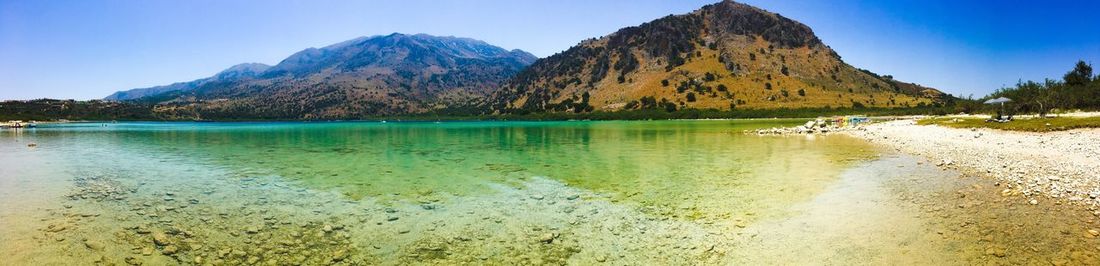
{"points": [[725, 55], [234, 73], [364, 77]]}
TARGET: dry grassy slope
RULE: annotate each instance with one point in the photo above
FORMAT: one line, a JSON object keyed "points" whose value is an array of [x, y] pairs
{"points": [[826, 80], [808, 69]]}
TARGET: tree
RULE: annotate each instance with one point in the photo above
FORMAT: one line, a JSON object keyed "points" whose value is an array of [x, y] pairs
{"points": [[802, 92], [648, 102], [691, 97], [683, 87], [785, 71], [631, 105], [1080, 75], [664, 83], [669, 106]]}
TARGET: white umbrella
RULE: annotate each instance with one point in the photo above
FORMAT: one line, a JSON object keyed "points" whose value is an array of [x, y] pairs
{"points": [[1001, 100]]}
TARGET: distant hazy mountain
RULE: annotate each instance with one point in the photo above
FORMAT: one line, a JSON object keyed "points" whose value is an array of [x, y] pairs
{"points": [[237, 72], [363, 77], [725, 55]]}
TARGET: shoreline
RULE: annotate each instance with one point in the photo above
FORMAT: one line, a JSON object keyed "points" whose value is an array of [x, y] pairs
{"points": [[1051, 166]]}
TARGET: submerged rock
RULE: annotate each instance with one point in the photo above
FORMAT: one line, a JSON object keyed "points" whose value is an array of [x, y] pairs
{"points": [[160, 238], [54, 228], [169, 250], [93, 245], [547, 238], [339, 255], [995, 251]]}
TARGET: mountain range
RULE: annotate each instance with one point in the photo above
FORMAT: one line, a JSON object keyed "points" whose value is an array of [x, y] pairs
{"points": [[368, 76], [724, 56]]}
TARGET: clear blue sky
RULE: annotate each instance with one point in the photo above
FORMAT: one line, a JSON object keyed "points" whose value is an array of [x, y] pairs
{"points": [[89, 49]]}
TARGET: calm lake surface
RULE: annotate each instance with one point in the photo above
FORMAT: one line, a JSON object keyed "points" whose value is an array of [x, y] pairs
{"points": [[620, 193]]}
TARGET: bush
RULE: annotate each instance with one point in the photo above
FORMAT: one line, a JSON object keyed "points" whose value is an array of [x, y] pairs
{"points": [[631, 105], [691, 97], [682, 88], [669, 106], [648, 102]]}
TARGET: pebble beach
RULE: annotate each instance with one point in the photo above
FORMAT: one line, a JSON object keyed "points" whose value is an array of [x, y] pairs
{"points": [[1056, 166]]}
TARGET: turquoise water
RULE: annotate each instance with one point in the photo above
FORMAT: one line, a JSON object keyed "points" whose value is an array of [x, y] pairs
{"points": [[650, 162], [571, 192]]}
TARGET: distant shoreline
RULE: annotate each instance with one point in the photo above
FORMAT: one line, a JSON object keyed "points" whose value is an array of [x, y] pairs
{"points": [[41, 113], [409, 121]]}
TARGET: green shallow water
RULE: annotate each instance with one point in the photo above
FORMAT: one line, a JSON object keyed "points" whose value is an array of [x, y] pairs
{"points": [[571, 192], [683, 168]]}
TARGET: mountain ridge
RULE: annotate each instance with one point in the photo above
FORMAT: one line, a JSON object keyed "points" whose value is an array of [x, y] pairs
{"points": [[238, 71], [376, 75], [722, 56]]}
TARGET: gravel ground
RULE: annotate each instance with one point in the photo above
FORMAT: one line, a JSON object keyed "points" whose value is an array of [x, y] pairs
{"points": [[1060, 166]]}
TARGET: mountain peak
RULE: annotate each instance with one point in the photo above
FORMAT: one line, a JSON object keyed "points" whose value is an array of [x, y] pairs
{"points": [[722, 56], [242, 70], [729, 17], [366, 76]]}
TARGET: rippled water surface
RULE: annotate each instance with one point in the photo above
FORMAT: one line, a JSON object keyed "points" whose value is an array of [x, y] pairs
{"points": [[673, 192]]}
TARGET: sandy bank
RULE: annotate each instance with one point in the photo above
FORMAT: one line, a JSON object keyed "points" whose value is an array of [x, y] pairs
{"points": [[1061, 166]]}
